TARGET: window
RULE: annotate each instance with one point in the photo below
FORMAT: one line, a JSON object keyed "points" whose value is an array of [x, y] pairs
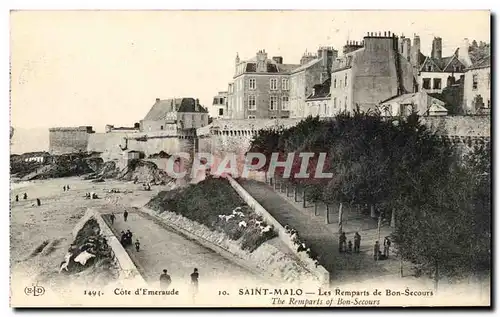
{"points": [[334, 83], [455, 68], [251, 117], [474, 82], [340, 83], [345, 102], [437, 83], [251, 83], [340, 103], [324, 109], [345, 81], [335, 103], [273, 84], [273, 103], [161, 127], [251, 102], [221, 101], [284, 103], [221, 112], [426, 83], [429, 68], [284, 84]]}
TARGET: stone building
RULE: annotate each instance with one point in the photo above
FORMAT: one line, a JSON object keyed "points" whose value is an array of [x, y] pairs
{"points": [[477, 87], [437, 72], [64, 140], [218, 110], [260, 88], [419, 102], [370, 72], [318, 103], [313, 70], [174, 114]]}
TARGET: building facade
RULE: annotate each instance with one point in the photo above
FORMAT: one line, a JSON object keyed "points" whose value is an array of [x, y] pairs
{"points": [[174, 114], [218, 110], [477, 87], [437, 72], [318, 103], [260, 88], [370, 72], [313, 70]]}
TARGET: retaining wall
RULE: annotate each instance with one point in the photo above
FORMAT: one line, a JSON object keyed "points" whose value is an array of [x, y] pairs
{"points": [[320, 272], [267, 261], [127, 269]]}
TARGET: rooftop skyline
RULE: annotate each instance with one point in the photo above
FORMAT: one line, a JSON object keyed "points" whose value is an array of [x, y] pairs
{"points": [[73, 68]]}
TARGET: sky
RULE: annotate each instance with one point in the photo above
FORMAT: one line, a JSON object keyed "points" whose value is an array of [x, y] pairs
{"points": [[71, 68]]}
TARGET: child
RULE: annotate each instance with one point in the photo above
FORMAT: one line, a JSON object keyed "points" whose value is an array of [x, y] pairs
{"points": [[349, 246]]}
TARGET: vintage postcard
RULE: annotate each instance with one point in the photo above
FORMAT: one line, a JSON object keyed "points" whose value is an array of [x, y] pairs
{"points": [[250, 158]]}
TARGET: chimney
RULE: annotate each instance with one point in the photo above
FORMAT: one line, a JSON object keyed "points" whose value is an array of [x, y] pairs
{"points": [[437, 48], [157, 100], [261, 61], [463, 53], [351, 47], [415, 52], [278, 59]]}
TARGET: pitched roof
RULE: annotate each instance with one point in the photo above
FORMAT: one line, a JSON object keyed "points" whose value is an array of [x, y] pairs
{"points": [[162, 107], [321, 90], [482, 63], [440, 63], [306, 65], [271, 66]]}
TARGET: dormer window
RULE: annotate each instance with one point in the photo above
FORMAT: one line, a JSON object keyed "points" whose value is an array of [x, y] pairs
{"points": [[429, 68]]}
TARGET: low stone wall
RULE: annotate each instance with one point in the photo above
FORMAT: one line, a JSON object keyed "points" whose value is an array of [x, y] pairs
{"points": [[127, 269], [267, 261], [320, 272]]}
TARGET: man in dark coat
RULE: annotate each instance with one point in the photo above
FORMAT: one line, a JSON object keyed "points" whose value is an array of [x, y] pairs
{"points": [[342, 242], [125, 215], [165, 280], [38, 202], [357, 242], [25, 196], [112, 218], [194, 280]]}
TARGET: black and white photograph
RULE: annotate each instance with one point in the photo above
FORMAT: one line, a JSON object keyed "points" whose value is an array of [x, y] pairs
{"points": [[250, 158]]}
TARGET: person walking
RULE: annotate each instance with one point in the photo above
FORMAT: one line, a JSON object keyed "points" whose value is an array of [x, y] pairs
{"points": [[123, 238], [376, 251], [349, 247], [125, 215], [38, 202], [112, 218], [67, 187], [64, 188], [387, 245], [25, 196], [194, 280], [342, 242], [137, 245], [357, 242], [165, 280]]}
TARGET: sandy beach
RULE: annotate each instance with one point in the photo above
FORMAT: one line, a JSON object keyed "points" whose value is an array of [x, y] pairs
{"points": [[54, 220]]}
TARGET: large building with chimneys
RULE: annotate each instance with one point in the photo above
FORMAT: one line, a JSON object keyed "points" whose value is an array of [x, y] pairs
{"points": [[371, 71], [260, 88], [314, 70]]}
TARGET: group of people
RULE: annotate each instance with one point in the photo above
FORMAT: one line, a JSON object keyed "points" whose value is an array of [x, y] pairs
{"points": [[91, 196], [377, 254], [126, 240], [301, 246], [25, 197], [65, 187], [166, 280], [347, 247]]}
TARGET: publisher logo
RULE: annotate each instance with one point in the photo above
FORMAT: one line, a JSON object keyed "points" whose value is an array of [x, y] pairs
{"points": [[34, 290]]}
